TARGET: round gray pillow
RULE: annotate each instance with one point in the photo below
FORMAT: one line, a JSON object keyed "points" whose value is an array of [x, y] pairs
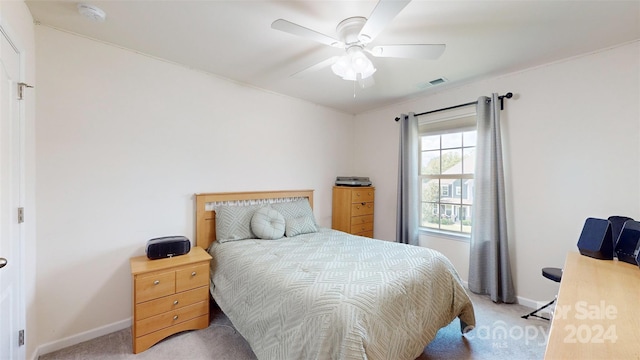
{"points": [[268, 224]]}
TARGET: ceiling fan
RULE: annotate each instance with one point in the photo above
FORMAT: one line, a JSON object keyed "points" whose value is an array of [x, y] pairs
{"points": [[354, 34]]}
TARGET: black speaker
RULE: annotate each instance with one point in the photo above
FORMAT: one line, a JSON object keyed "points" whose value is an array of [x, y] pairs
{"points": [[595, 240], [167, 246], [628, 242], [616, 227]]}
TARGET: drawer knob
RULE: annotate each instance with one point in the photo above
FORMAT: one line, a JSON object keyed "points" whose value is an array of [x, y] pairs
{"points": [[175, 302], [363, 204], [193, 273], [175, 317], [357, 194], [156, 282]]}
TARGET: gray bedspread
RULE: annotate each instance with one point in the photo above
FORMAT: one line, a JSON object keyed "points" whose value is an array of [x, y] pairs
{"points": [[331, 295]]}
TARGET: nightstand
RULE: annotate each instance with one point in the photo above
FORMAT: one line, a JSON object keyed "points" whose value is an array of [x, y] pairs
{"points": [[353, 210], [169, 296]]}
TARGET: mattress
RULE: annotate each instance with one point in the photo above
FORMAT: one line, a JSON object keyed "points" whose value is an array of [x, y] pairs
{"points": [[331, 295]]}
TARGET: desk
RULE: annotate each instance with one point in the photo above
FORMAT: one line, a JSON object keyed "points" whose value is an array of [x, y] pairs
{"points": [[597, 313]]}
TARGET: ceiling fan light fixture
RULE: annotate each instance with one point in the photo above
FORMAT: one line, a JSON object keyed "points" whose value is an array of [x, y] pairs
{"points": [[353, 66]]}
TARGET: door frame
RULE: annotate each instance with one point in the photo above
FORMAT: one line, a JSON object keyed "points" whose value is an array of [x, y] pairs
{"points": [[14, 40]]}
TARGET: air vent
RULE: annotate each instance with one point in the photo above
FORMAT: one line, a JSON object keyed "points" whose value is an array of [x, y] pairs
{"points": [[437, 81], [428, 84]]}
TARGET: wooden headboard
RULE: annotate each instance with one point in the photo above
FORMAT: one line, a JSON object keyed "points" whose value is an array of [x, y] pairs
{"points": [[205, 219]]}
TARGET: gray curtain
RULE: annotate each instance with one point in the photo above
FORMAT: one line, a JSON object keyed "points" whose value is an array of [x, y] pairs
{"points": [[489, 267], [408, 187]]}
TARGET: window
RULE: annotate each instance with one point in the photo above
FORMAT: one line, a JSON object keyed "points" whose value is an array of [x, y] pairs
{"points": [[447, 166]]}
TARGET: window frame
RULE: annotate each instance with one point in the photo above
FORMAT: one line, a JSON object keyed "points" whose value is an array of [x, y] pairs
{"points": [[459, 121]]}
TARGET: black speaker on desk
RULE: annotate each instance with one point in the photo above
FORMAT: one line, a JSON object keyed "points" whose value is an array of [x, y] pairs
{"points": [[617, 222], [628, 243], [596, 240]]}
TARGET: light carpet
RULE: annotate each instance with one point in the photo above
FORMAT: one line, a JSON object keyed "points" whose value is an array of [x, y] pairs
{"points": [[500, 333]]}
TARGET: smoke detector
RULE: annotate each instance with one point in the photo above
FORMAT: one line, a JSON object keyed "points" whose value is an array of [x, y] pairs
{"points": [[92, 13]]}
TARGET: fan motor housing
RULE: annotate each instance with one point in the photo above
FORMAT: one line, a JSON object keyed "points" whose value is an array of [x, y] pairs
{"points": [[349, 29]]}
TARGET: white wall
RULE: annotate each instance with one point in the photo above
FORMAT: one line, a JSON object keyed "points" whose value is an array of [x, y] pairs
{"points": [[572, 150], [16, 16], [124, 141]]}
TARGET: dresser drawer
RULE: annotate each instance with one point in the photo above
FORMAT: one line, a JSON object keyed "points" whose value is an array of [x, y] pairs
{"points": [[148, 287], [362, 209], [170, 318], [361, 228], [192, 277], [359, 196], [359, 220], [171, 302], [365, 234]]}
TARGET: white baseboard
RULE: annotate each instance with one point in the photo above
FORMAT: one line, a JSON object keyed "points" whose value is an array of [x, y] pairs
{"points": [[520, 300], [527, 302], [81, 337]]}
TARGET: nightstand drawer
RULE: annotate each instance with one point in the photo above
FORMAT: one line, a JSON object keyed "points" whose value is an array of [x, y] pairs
{"points": [[169, 296], [145, 342], [359, 220], [358, 196], [171, 302], [361, 228], [153, 286], [170, 318], [192, 277], [362, 209]]}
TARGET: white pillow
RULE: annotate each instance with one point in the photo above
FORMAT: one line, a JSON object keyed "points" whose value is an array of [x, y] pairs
{"points": [[268, 224], [301, 225]]}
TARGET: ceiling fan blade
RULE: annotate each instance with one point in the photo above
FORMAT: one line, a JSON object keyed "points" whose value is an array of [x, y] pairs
{"points": [[417, 51], [382, 15], [319, 66], [295, 29]]}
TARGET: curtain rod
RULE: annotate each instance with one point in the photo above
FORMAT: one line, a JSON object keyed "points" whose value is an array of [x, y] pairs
{"points": [[501, 97]]}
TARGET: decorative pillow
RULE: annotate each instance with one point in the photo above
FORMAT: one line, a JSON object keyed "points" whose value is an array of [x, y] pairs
{"points": [[301, 225], [295, 209], [234, 222], [267, 224]]}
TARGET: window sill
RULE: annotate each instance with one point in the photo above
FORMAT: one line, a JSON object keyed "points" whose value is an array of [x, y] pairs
{"points": [[444, 234]]}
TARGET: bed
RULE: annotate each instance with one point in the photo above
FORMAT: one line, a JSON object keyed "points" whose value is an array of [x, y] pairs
{"points": [[317, 293]]}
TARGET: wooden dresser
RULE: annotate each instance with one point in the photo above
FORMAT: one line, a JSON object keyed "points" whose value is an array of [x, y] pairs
{"points": [[353, 210], [169, 296], [597, 311]]}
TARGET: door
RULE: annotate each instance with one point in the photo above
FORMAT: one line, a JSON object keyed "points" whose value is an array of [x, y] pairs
{"points": [[11, 245]]}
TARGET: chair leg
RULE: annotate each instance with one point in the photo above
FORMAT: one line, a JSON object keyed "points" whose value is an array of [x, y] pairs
{"points": [[533, 313]]}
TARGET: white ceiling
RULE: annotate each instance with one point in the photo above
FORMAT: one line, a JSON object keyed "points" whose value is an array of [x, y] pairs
{"points": [[234, 39]]}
